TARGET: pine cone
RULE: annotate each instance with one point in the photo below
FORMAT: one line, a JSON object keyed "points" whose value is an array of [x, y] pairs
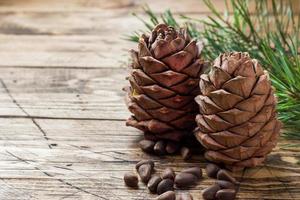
{"points": [[237, 123], [164, 82]]}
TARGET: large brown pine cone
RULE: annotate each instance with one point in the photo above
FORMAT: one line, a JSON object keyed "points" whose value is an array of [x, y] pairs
{"points": [[164, 82], [237, 123]]}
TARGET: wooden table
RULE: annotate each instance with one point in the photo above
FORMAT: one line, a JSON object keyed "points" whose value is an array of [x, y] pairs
{"points": [[63, 133]]}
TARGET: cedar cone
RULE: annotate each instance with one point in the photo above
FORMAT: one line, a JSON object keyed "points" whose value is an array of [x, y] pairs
{"points": [[163, 83], [238, 122]]}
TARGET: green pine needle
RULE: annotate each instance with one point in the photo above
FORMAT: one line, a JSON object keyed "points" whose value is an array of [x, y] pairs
{"points": [[270, 35]]}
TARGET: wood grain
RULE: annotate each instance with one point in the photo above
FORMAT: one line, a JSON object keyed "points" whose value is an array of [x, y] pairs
{"points": [[67, 93], [63, 51], [88, 159], [178, 6], [72, 38], [77, 154], [79, 40], [62, 115], [116, 24], [181, 6]]}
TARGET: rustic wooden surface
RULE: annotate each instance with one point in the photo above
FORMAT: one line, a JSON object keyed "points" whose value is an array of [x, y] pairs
{"points": [[62, 127]]}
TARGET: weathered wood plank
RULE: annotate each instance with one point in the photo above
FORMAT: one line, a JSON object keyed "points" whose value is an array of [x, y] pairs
{"points": [[109, 24], [63, 51], [83, 165], [62, 129], [78, 40], [81, 40], [68, 23], [66, 93], [9, 107], [182, 6], [97, 148], [179, 6]]}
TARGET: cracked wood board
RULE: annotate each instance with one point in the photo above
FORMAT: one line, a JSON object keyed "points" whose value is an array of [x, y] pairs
{"points": [[84, 164], [62, 128], [65, 93], [56, 155]]}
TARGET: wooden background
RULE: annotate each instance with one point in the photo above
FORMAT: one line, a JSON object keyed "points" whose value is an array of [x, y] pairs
{"points": [[62, 126]]}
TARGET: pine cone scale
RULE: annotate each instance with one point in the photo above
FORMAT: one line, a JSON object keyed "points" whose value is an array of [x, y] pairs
{"points": [[264, 120]]}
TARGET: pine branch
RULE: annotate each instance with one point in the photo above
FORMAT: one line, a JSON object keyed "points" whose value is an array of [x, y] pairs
{"points": [[270, 35]]}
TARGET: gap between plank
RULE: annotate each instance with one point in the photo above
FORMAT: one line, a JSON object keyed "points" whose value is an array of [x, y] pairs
{"points": [[58, 179], [58, 67], [24, 111], [60, 118]]}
